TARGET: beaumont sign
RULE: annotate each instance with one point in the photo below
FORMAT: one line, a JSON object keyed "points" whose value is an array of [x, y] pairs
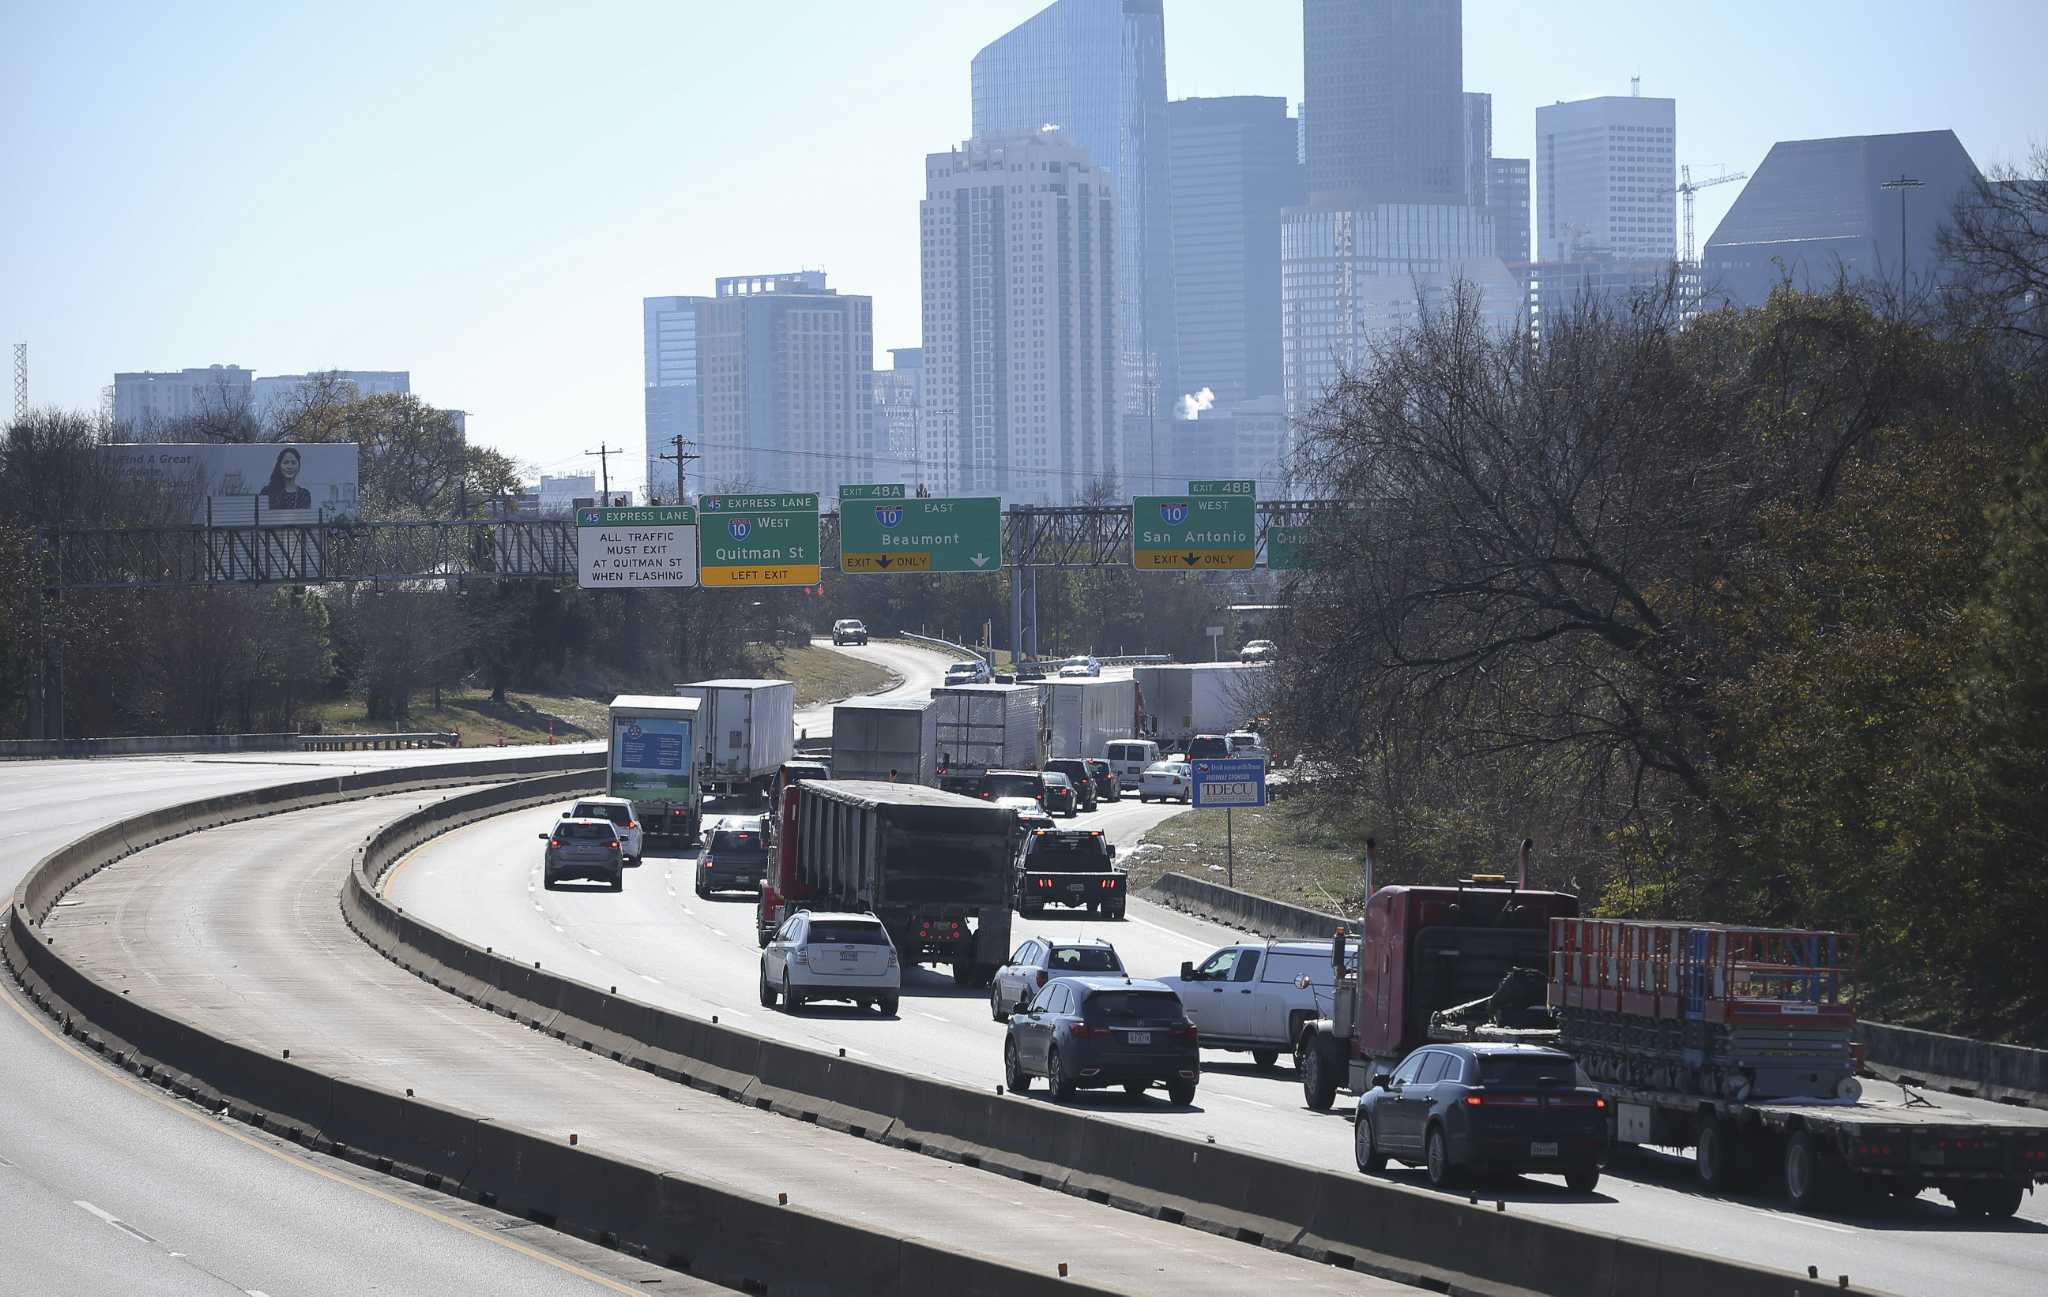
{"points": [[758, 540], [1215, 525], [629, 548], [885, 535]]}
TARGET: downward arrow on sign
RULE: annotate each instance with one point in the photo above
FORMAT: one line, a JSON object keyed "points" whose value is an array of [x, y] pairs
{"points": [[882, 562], [980, 560], [1190, 559]]}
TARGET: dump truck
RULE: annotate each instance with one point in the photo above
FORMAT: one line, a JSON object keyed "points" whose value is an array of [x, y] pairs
{"points": [[1181, 700], [651, 763], [978, 728], [1072, 867], [1736, 1042], [1078, 718], [886, 741], [746, 729], [933, 866]]}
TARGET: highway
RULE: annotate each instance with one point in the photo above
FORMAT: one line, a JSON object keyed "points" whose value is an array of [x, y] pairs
{"points": [[701, 957], [108, 1186]]}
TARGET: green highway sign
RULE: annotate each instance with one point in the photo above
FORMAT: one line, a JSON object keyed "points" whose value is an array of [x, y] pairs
{"points": [[758, 540], [625, 548], [1215, 525], [873, 491], [898, 535], [1284, 546]]}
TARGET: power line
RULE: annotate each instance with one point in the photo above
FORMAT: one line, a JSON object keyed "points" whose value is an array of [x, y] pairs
{"points": [[681, 460], [604, 453]]}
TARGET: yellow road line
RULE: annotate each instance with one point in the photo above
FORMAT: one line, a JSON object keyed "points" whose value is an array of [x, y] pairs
{"points": [[209, 1123]]}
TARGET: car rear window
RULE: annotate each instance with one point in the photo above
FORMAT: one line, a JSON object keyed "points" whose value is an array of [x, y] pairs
{"points": [[846, 932], [1133, 1006], [588, 832], [734, 842], [1072, 769], [1084, 959], [1208, 747], [1010, 785], [616, 814], [1526, 1070]]}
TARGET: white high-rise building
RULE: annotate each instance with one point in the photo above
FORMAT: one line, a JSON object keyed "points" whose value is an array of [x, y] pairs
{"points": [[1607, 179], [146, 401], [899, 414], [273, 391], [668, 333], [1020, 341]]}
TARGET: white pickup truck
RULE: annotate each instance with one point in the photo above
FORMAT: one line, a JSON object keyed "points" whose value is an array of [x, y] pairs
{"points": [[1247, 997]]}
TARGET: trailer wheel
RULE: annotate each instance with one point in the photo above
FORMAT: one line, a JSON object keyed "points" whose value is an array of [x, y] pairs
{"points": [[1994, 1198], [963, 972], [1805, 1171], [1318, 1078], [1717, 1155]]}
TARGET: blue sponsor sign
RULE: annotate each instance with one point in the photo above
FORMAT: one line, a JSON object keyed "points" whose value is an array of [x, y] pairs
{"points": [[1230, 781]]}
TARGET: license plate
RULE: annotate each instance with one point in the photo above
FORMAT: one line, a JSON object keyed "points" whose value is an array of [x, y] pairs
{"points": [[1141, 1037], [1543, 1149], [848, 956], [1077, 887]]}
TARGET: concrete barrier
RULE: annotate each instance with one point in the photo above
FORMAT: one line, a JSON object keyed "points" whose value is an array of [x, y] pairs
{"points": [[1260, 914], [2009, 1073], [130, 745]]}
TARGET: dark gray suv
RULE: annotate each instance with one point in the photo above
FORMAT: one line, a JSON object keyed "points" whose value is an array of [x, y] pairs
{"points": [[1083, 1032], [583, 848]]}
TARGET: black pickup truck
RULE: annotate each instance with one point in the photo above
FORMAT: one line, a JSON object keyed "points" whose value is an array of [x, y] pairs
{"points": [[1073, 867]]}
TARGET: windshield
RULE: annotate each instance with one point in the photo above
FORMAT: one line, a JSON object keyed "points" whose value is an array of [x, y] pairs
{"points": [[1133, 1006], [1084, 959], [846, 932], [616, 814], [1011, 785], [1526, 1070]]}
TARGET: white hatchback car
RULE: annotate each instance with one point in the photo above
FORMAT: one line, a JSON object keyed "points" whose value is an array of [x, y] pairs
{"points": [[623, 817], [818, 956], [1168, 781]]}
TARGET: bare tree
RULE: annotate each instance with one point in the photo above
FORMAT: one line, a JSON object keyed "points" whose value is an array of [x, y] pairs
{"points": [[1997, 241]]}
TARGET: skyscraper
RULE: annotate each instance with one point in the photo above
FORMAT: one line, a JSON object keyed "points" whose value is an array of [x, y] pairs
{"points": [[668, 333], [1020, 374], [899, 416], [785, 389], [1384, 84], [1478, 145], [1607, 179], [1818, 208], [1233, 170], [146, 401], [1507, 198], [1096, 69]]}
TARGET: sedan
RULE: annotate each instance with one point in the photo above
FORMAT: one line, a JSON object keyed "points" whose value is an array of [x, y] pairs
{"points": [[830, 957], [1085, 1032], [1483, 1107], [1084, 665], [1168, 781], [1079, 776], [1060, 796], [585, 848], [1107, 787]]}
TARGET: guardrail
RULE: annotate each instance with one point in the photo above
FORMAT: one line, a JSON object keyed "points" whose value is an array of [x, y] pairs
{"points": [[129, 745], [354, 742], [736, 1239], [960, 651], [1343, 1220]]}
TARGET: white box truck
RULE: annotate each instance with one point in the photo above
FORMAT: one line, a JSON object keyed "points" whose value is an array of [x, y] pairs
{"points": [[1078, 717], [888, 742], [1185, 699], [746, 730], [983, 727], [652, 764]]}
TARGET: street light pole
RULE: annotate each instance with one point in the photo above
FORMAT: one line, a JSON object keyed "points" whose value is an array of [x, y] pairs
{"points": [[1902, 184]]}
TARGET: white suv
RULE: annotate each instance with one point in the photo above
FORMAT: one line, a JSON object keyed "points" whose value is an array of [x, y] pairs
{"points": [[623, 817], [1244, 997], [830, 957]]}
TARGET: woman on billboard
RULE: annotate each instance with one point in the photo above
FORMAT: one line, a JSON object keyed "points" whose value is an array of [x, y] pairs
{"points": [[283, 491]]}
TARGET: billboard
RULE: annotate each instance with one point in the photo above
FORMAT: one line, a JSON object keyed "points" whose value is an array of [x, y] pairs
{"points": [[652, 754], [264, 483]]}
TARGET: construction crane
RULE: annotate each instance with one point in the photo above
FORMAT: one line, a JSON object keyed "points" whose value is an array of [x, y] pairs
{"points": [[1687, 187]]}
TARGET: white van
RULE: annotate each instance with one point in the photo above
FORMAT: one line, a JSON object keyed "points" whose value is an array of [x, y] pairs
{"points": [[1129, 757]]}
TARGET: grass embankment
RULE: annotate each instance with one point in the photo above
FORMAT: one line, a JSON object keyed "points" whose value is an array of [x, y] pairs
{"points": [[820, 675], [1279, 853]]}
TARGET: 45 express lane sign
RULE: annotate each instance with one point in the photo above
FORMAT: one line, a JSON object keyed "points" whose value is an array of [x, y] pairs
{"points": [[913, 535], [1213, 526], [758, 540], [633, 548]]}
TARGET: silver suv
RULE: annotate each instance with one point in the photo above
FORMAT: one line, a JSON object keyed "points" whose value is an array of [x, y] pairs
{"points": [[849, 630], [583, 848]]}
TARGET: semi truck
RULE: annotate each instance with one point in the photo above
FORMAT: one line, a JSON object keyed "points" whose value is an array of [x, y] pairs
{"points": [[652, 764], [1735, 1042], [885, 741], [746, 731], [979, 728], [1182, 700], [1077, 718], [933, 866], [1072, 867]]}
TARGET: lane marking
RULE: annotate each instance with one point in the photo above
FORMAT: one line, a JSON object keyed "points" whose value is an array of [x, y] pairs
{"points": [[1791, 1219], [1238, 1098], [933, 1016], [207, 1121], [111, 1219], [589, 949]]}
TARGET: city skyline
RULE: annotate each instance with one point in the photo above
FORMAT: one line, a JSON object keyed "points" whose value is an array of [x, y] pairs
{"points": [[309, 264]]}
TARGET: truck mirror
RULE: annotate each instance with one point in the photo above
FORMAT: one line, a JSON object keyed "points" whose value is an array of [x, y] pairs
{"points": [[1187, 968], [1382, 1078], [1301, 983], [543, 837]]}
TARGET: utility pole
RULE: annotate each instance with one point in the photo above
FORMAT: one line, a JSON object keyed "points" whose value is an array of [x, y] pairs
{"points": [[1902, 184], [681, 459], [604, 455]]}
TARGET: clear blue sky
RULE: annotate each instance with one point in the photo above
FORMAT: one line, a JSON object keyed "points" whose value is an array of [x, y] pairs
{"points": [[482, 193]]}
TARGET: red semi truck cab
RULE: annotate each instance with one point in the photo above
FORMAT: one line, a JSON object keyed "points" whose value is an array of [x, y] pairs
{"points": [[1424, 950], [780, 886]]}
